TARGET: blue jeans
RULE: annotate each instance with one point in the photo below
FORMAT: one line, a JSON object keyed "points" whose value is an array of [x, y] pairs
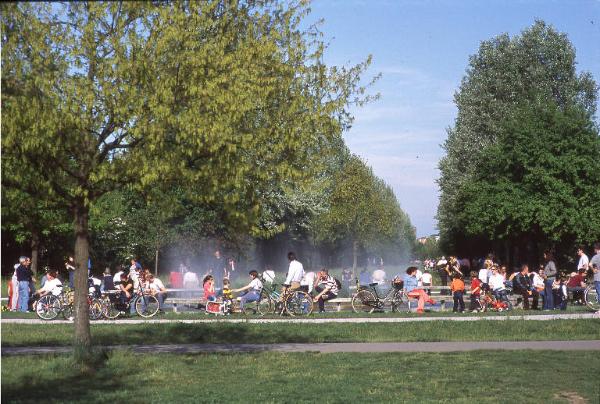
{"points": [[161, 296], [23, 301], [597, 286], [71, 279], [251, 296], [547, 295]]}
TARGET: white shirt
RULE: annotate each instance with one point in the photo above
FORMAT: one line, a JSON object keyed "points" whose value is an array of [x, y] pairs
{"points": [[538, 282], [496, 282], [135, 277], [484, 275], [419, 277], [54, 286], [269, 276], [583, 261], [156, 285], [256, 285], [308, 280], [379, 276], [117, 278], [426, 278], [190, 280], [295, 273]]}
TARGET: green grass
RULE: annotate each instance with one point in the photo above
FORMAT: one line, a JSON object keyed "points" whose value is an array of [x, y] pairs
{"points": [[108, 334], [483, 376]]}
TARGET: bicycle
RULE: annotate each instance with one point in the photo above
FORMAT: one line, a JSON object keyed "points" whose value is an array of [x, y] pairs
{"points": [[145, 304], [49, 306], [367, 299], [293, 302]]}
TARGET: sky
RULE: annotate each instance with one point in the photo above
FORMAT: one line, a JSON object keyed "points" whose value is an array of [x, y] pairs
{"points": [[422, 48]]}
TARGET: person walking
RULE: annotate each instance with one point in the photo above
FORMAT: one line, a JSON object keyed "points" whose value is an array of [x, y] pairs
{"points": [[457, 286]]}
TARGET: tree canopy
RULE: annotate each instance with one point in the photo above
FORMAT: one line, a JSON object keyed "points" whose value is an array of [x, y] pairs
{"points": [[521, 165]]}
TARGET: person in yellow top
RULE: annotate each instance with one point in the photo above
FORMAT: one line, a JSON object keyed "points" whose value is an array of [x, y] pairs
{"points": [[458, 289], [227, 295]]}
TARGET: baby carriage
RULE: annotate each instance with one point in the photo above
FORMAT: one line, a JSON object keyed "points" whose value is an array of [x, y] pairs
{"points": [[219, 307]]}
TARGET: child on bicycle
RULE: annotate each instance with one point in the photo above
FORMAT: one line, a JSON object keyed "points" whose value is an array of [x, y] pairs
{"points": [[227, 295], [457, 286]]}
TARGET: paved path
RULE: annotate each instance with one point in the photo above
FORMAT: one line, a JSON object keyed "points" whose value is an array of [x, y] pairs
{"points": [[317, 320], [593, 345]]}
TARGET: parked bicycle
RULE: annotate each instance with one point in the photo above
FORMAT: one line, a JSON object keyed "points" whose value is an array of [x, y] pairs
{"points": [[367, 299], [48, 307], [144, 303]]}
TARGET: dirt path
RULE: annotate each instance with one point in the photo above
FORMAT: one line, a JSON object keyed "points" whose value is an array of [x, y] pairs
{"points": [[593, 345], [317, 320]]}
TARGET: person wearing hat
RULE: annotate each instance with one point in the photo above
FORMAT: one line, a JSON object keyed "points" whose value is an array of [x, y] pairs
{"points": [[252, 290]]}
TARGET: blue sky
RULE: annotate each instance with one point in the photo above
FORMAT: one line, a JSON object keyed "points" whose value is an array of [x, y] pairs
{"points": [[422, 49]]}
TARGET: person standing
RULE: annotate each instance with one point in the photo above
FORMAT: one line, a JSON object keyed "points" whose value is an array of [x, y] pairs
{"points": [[24, 278], [457, 286], [550, 276], [595, 265], [584, 261], [218, 268], [70, 266]]}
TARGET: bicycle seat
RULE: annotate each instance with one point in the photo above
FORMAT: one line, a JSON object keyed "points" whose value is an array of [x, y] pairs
{"points": [[373, 284]]}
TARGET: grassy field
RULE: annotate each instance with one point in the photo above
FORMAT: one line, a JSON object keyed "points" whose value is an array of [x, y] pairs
{"points": [[108, 334], [484, 376]]}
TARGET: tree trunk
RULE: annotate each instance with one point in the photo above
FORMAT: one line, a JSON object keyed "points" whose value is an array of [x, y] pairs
{"points": [[83, 338], [35, 248], [354, 255], [156, 264]]}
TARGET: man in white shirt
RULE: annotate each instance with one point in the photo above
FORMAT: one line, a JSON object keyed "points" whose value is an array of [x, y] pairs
{"points": [[584, 261], [295, 273], [158, 290], [53, 285]]}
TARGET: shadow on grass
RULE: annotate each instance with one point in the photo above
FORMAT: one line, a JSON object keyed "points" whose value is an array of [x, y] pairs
{"points": [[59, 376]]}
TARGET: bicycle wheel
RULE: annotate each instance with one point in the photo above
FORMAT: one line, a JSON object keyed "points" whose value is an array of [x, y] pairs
{"points": [[590, 296], [397, 301], [363, 301], [299, 303], [95, 309], [109, 311], [47, 307], [261, 307], [146, 305]]}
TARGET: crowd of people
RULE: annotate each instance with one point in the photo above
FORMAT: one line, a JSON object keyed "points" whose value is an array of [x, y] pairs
{"points": [[546, 283]]}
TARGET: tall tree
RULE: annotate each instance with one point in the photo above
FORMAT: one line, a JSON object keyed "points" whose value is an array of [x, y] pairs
{"points": [[224, 95], [363, 209], [538, 64]]}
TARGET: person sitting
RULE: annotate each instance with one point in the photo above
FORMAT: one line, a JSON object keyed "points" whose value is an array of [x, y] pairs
{"points": [[497, 286], [227, 295], [252, 290], [576, 285], [126, 288], [522, 285], [107, 281], [411, 289], [560, 293], [427, 280], [53, 285], [209, 288], [328, 289], [156, 289]]}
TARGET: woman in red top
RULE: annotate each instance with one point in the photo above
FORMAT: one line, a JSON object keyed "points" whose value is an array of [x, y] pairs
{"points": [[209, 288]]}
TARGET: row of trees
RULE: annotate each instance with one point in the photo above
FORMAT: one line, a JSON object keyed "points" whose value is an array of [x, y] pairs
{"points": [[522, 167], [149, 124]]}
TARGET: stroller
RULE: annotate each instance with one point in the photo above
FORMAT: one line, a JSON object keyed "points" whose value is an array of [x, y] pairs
{"points": [[495, 301]]}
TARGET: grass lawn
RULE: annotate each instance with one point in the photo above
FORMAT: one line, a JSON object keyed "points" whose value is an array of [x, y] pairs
{"points": [[110, 334], [483, 376]]}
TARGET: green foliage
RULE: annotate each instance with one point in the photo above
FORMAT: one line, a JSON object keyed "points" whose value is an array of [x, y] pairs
{"points": [[363, 209], [518, 164]]}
